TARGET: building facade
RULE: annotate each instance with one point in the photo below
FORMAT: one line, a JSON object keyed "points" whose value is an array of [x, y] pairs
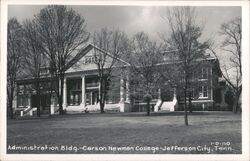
{"points": [[82, 89]]}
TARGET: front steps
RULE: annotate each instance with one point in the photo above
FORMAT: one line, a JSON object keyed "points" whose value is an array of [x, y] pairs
{"points": [[168, 106]]}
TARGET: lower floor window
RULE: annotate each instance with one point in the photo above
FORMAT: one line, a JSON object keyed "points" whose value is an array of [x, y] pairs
{"points": [[75, 98], [22, 100], [203, 91]]}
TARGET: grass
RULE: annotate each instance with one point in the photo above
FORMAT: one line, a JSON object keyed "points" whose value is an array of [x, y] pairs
{"points": [[131, 130]]}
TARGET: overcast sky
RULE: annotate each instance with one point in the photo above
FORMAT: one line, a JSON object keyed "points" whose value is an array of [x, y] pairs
{"points": [[132, 19]]}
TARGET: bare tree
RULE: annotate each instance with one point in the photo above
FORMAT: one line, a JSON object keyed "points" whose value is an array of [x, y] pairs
{"points": [[232, 70], [62, 34], [184, 39], [34, 58], [109, 46], [14, 60], [144, 58]]}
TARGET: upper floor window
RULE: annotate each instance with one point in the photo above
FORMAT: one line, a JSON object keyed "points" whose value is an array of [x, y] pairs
{"points": [[75, 84], [192, 76], [44, 71], [204, 73]]}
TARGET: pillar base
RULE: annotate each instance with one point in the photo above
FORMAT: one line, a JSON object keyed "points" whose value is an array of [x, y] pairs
{"points": [[64, 106], [21, 113], [52, 109], [83, 105]]}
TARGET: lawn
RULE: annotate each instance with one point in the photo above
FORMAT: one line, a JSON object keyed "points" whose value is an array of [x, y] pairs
{"points": [[164, 133]]}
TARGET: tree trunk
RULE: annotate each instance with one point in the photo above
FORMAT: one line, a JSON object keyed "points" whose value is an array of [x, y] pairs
{"points": [[102, 94], [185, 105], [52, 83], [10, 111], [38, 96], [102, 107], [236, 101], [190, 102], [148, 107], [61, 95], [50, 96]]}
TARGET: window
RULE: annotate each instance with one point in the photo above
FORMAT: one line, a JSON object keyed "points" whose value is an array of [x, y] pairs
{"points": [[203, 93], [74, 91], [192, 76], [192, 93], [22, 100], [89, 60], [44, 71], [75, 98], [204, 73]]}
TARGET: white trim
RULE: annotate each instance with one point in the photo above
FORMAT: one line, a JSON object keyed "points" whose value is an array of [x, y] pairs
{"points": [[202, 79], [202, 97], [202, 101]]}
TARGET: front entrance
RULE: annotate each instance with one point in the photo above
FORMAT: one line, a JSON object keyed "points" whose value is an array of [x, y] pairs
{"points": [[44, 102], [92, 97]]}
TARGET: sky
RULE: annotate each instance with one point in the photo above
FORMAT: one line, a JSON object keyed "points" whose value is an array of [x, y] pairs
{"points": [[133, 19], [149, 19]]}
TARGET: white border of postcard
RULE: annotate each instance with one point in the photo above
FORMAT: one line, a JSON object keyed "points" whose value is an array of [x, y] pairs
{"points": [[245, 97]]}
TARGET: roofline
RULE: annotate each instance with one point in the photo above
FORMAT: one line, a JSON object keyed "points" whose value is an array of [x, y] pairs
{"points": [[82, 53], [111, 55]]}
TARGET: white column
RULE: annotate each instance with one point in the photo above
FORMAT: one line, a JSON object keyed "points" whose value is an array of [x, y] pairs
{"points": [[91, 98], [83, 92], [29, 101], [174, 94], [52, 105], [127, 90], [64, 93], [174, 102], [159, 94], [157, 106], [121, 90], [52, 109], [29, 105], [21, 113]]}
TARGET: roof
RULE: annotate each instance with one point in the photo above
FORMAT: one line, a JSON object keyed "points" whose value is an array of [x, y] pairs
{"points": [[85, 50], [77, 65]]}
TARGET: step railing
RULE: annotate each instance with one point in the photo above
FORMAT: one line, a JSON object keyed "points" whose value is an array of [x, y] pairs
{"points": [[27, 111]]}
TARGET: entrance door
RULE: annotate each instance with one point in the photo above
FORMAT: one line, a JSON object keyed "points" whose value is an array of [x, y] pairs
{"points": [[44, 102], [34, 101], [92, 97], [95, 96]]}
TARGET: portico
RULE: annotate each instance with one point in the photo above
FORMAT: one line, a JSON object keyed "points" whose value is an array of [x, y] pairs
{"points": [[83, 91]]}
